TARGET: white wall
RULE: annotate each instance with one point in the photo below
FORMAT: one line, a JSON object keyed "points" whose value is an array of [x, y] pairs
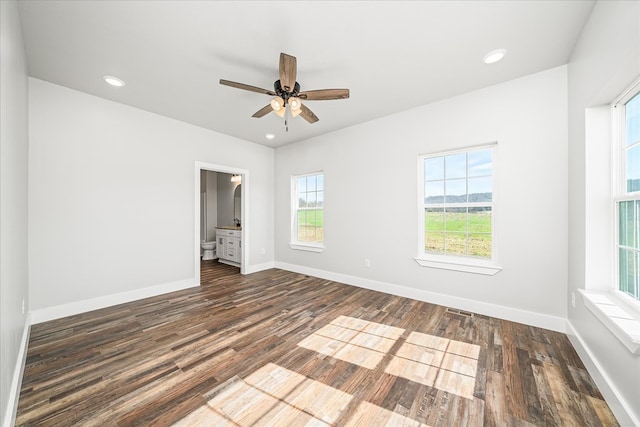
{"points": [[111, 196], [13, 206], [371, 197], [605, 61]]}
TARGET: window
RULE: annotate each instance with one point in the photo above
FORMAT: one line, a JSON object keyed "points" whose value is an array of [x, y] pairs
{"points": [[307, 213], [457, 209], [627, 199]]}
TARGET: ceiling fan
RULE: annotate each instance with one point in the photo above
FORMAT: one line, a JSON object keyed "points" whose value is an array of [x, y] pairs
{"points": [[286, 92]]}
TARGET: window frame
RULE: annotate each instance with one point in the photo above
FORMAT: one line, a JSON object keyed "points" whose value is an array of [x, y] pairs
{"points": [[294, 243], [620, 193], [465, 263]]}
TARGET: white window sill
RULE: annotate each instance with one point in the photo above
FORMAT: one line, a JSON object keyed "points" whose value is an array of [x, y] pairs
{"points": [[620, 319], [306, 247], [467, 266]]}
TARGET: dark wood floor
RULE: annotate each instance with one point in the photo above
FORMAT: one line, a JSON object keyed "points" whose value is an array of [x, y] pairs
{"points": [[279, 348]]}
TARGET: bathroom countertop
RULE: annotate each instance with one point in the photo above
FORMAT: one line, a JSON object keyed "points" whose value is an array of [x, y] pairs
{"points": [[230, 227]]}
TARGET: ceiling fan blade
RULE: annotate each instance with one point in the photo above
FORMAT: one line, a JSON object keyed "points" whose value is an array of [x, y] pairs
{"points": [[288, 70], [324, 94], [247, 87], [307, 114], [263, 111]]}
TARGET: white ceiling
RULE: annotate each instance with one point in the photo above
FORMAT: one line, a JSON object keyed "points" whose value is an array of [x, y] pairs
{"points": [[392, 55]]}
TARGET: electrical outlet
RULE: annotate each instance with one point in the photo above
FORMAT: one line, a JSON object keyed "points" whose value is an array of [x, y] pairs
{"points": [[573, 300], [367, 262], [22, 305]]}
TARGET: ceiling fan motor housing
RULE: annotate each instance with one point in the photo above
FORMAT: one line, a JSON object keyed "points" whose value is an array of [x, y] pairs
{"points": [[277, 88]]}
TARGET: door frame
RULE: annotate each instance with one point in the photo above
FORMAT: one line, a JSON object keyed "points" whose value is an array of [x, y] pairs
{"points": [[244, 212]]}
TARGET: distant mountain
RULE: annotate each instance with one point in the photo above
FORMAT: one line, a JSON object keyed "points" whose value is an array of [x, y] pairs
{"points": [[473, 198]]}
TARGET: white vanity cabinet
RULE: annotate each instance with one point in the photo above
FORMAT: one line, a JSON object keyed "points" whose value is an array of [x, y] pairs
{"points": [[229, 246]]}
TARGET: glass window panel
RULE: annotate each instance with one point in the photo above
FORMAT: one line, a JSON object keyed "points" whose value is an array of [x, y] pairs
{"points": [[626, 223], [455, 219], [320, 199], [434, 219], [311, 199], [629, 272], [456, 166], [302, 218], [302, 200], [480, 163], [311, 218], [434, 242], [480, 245], [633, 119], [319, 219], [302, 184], [455, 243], [434, 192], [456, 191], [311, 183], [633, 169], [479, 220], [434, 169], [480, 189], [319, 182]]}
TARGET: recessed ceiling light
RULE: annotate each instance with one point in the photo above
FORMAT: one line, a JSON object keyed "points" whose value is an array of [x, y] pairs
{"points": [[269, 136], [114, 81], [494, 56]]}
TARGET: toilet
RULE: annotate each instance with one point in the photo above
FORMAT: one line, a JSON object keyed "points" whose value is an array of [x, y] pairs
{"points": [[209, 249]]}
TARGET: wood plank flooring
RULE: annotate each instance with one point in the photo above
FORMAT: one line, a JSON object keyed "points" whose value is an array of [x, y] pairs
{"points": [[284, 349]]}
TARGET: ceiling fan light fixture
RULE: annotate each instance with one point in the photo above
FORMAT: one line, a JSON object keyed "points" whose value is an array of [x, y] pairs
{"points": [[294, 103], [277, 104], [494, 56]]}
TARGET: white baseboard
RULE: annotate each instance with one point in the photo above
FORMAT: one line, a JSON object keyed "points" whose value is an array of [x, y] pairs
{"points": [[545, 321], [77, 307], [16, 381], [620, 408], [259, 267]]}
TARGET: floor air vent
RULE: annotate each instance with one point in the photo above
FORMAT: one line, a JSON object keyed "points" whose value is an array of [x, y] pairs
{"points": [[459, 312]]}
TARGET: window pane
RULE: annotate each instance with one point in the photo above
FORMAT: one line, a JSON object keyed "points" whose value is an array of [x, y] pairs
{"points": [[434, 169], [434, 219], [456, 219], [633, 169], [311, 183], [319, 182], [456, 191], [456, 166], [311, 199], [479, 220], [434, 242], [480, 189], [630, 272], [434, 192], [633, 120], [302, 200], [629, 223], [455, 243], [480, 163], [302, 184], [320, 200], [480, 245]]}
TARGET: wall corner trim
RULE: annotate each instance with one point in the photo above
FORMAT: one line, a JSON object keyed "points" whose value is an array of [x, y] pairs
{"points": [[620, 408]]}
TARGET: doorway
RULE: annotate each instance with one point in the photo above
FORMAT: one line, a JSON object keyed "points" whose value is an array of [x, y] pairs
{"points": [[228, 225]]}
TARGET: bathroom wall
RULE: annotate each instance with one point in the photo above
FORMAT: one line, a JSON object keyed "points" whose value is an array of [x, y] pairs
{"points": [[211, 183], [226, 190]]}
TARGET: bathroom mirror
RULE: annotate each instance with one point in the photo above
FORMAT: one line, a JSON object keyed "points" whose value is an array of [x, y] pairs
{"points": [[237, 202]]}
